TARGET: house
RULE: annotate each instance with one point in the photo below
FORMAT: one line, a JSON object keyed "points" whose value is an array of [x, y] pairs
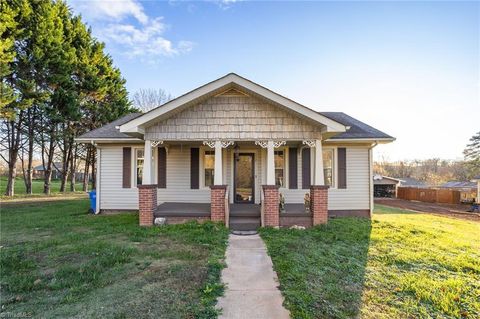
{"points": [[411, 182], [227, 150], [468, 189], [39, 171], [384, 186], [57, 167]]}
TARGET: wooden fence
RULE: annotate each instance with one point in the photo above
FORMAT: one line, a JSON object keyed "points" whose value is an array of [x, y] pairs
{"points": [[429, 195]]}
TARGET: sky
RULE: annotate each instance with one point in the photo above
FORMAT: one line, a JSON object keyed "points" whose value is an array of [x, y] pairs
{"points": [[410, 69]]}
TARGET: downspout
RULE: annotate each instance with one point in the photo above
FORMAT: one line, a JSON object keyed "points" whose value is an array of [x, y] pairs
{"points": [[370, 174], [97, 210]]}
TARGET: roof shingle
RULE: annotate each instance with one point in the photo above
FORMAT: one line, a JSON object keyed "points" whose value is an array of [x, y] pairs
{"points": [[109, 130], [357, 129]]}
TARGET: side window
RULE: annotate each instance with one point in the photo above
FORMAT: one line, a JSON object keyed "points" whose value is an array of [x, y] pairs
{"points": [[328, 166], [139, 159], [209, 166], [279, 168]]}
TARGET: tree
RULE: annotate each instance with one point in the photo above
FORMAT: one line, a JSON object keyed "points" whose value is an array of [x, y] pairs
{"points": [[472, 153], [147, 99], [56, 83], [16, 81]]}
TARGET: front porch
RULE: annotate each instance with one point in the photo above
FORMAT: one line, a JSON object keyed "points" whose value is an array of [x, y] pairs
{"points": [[237, 182]]}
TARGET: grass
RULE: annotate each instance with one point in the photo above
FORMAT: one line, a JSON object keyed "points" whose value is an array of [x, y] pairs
{"points": [[37, 188], [59, 262], [398, 265]]}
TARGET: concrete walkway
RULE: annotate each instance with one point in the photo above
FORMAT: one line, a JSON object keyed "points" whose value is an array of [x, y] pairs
{"points": [[251, 282]]}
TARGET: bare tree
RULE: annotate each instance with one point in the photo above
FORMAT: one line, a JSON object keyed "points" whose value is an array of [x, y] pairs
{"points": [[147, 99]]}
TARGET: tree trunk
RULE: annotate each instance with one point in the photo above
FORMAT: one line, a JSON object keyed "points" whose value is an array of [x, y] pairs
{"points": [[29, 175], [86, 170], [73, 164], [12, 173], [48, 167], [65, 163], [13, 136]]}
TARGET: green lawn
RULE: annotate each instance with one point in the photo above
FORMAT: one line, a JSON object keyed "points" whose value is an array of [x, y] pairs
{"points": [[398, 265], [37, 188], [59, 262]]}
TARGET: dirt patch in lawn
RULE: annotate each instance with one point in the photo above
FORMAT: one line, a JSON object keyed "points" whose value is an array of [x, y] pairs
{"points": [[447, 210]]}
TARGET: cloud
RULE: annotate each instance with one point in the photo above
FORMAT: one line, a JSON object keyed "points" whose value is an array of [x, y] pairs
{"points": [[126, 28], [115, 10]]}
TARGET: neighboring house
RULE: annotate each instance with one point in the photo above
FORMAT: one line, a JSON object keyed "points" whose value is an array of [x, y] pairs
{"points": [[411, 182], [219, 151], [39, 171], [468, 189], [384, 186]]}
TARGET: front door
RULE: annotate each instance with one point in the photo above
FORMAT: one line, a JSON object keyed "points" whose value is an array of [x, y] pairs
{"points": [[244, 188]]}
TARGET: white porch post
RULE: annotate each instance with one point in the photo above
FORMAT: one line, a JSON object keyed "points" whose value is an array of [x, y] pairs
{"points": [[319, 177], [270, 163], [218, 177], [147, 163]]}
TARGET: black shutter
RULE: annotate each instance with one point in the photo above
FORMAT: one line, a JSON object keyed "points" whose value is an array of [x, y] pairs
{"points": [[127, 167], [306, 168], [342, 167], [292, 168], [194, 168], [162, 167]]}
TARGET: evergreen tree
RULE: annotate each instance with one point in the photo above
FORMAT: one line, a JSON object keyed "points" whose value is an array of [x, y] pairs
{"points": [[472, 153], [56, 83]]}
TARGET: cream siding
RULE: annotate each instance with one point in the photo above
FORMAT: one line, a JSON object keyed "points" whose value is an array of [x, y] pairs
{"points": [[355, 196], [178, 178], [113, 196]]}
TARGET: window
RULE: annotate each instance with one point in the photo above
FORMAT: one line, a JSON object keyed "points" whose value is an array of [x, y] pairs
{"points": [[209, 164], [139, 159], [279, 168], [328, 166]]}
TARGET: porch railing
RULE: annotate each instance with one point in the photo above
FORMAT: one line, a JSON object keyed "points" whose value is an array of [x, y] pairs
{"points": [[227, 209]]}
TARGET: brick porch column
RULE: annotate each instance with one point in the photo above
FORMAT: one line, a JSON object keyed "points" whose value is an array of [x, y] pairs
{"points": [[319, 204], [271, 203], [217, 202], [147, 203]]}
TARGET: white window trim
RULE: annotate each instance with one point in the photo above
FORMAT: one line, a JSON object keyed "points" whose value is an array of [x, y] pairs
{"points": [[285, 167], [201, 161], [134, 165], [334, 150]]}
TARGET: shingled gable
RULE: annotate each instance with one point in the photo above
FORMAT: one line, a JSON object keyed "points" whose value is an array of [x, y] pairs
{"points": [[136, 127]]}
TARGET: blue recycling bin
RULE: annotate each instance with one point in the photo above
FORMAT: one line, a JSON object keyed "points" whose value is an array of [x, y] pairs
{"points": [[93, 201]]}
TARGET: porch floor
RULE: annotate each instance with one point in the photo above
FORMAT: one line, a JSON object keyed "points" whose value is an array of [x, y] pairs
{"points": [[183, 209]]}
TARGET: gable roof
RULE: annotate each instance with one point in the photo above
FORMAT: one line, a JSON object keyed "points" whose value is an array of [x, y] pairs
{"points": [[230, 80], [409, 181], [110, 130], [128, 127], [56, 166]]}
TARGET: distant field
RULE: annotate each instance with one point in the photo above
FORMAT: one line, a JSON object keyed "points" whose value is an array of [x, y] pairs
{"points": [[37, 187]]}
